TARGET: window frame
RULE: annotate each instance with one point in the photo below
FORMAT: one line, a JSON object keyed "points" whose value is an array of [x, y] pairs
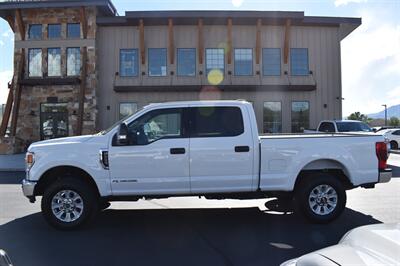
{"points": [[80, 61], [41, 63], [136, 62], [280, 118], [235, 65], [166, 62], [80, 31], [205, 64], [264, 65], [192, 122], [291, 62], [177, 62], [54, 48], [291, 113], [41, 31], [119, 109], [48, 31]]}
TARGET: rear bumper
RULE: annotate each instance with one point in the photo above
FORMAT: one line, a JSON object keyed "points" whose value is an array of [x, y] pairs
{"points": [[385, 175]]}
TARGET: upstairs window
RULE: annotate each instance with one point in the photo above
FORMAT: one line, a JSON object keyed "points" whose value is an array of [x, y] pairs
{"points": [[54, 62], [299, 62], [128, 62], [35, 32], [35, 62], [73, 30], [243, 62], [186, 62], [215, 60], [54, 31], [157, 62], [271, 61], [73, 61]]}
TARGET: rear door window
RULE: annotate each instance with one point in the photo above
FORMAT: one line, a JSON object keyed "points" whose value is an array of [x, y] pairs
{"points": [[326, 127], [216, 122]]}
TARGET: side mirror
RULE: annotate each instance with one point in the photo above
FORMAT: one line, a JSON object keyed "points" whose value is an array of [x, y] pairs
{"points": [[122, 137], [374, 130]]}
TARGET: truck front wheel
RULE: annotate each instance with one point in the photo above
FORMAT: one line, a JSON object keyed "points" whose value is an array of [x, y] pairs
{"points": [[320, 197], [69, 203]]}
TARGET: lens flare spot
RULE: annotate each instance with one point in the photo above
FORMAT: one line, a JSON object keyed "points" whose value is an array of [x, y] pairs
{"points": [[215, 77], [224, 45]]}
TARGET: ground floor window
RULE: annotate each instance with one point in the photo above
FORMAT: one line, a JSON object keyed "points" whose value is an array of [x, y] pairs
{"points": [[53, 120], [127, 109], [272, 117], [300, 116]]}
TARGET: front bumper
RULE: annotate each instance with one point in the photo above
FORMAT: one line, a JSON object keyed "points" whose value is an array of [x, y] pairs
{"points": [[28, 188], [385, 175]]}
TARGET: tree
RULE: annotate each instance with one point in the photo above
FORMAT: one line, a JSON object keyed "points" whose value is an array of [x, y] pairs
{"points": [[358, 116], [394, 121]]}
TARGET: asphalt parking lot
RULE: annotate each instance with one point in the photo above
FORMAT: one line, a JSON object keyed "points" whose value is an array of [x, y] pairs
{"points": [[184, 231]]}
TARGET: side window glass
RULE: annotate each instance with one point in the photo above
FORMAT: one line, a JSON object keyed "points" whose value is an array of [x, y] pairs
{"points": [[216, 122], [156, 125], [327, 127]]}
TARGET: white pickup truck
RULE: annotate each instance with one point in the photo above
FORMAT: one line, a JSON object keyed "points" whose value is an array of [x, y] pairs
{"points": [[210, 149], [340, 126]]}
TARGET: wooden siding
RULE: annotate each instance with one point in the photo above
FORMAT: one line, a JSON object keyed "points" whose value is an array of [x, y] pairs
{"points": [[323, 45]]}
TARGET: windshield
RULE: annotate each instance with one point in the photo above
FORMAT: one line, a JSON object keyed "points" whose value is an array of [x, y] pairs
{"points": [[103, 132], [353, 127]]}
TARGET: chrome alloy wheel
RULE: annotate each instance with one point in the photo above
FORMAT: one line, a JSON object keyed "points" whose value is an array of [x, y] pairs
{"points": [[323, 199], [67, 206]]}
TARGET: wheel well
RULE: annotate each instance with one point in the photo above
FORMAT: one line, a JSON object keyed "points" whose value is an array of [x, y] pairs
{"points": [[54, 174], [337, 173]]}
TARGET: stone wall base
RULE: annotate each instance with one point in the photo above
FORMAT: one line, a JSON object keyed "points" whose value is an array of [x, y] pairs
{"points": [[11, 145]]}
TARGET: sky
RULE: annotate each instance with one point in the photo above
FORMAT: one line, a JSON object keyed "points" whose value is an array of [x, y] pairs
{"points": [[370, 54]]}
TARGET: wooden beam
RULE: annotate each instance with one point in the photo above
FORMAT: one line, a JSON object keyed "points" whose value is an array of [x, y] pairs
{"points": [[11, 22], [7, 112], [83, 22], [82, 89], [141, 42], [171, 41], [20, 24], [200, 41], [258, 41], [17, 94], [287, 42], [229, 44]]}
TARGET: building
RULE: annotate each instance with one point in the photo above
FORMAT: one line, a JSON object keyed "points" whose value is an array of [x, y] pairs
{"points": [[79, 66]]}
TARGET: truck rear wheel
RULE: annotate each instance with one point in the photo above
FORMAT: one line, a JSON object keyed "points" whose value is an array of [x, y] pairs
{"points": [[321, 198], [69, 203]]}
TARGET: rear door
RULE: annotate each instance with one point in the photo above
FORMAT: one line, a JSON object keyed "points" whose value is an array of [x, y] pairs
{"points": [[221, 149]]}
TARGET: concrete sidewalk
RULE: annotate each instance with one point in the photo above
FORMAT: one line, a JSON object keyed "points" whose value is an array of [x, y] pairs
{"points": [[14, 162]]}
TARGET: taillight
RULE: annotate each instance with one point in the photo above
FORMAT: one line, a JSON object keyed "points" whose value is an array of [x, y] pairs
{"points": [[382, 154]]}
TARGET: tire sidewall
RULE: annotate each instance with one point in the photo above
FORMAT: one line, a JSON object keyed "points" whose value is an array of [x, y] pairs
{"points": [[304, 190], [88, 198]]}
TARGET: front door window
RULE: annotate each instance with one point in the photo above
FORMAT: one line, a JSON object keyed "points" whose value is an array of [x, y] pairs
{"points": [[53, 120]]}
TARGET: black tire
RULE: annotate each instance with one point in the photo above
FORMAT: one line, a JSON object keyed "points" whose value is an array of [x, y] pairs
{"points": [[394, 145], [87, 195], [304, 194]]}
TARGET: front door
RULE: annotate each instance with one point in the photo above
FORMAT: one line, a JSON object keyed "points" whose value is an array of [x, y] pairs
{"points": [[53, 120], [156, 159]]}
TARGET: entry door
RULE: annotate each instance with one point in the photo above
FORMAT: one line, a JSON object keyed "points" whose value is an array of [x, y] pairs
{"points": [[156, 161], [221, 151], [53, 120]]}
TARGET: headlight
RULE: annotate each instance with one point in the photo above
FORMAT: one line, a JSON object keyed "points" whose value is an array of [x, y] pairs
{"points": [[29, 159]]}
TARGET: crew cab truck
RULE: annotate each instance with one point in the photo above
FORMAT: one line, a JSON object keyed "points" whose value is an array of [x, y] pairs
{"points": [[203, 148]]}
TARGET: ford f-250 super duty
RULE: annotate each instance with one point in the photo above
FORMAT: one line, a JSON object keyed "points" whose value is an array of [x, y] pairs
{"points": [[210, 149]]}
